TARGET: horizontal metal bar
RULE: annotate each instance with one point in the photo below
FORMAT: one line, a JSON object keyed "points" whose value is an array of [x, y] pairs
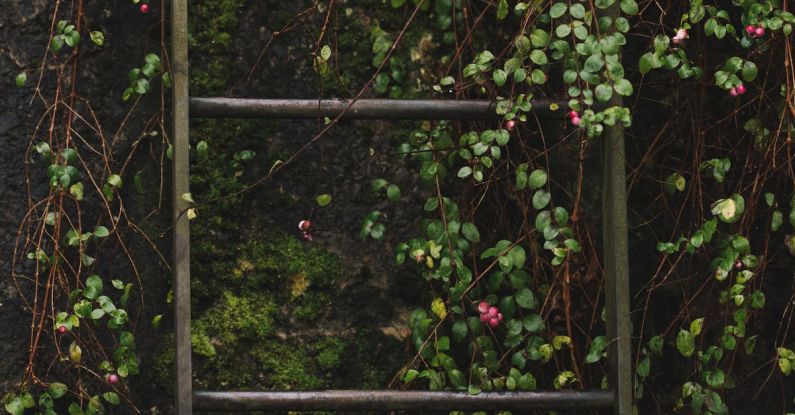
{"points": [[385, 400], [406, 109]]}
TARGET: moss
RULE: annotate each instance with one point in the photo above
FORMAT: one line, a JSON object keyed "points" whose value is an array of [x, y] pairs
{"points": [[311, 305], [232, 320], [330, 351], [286, 366]]}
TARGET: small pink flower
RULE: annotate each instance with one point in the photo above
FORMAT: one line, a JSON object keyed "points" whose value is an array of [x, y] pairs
{"points": [[733, 91], [575, 121], [483, 307], [740, 89]]}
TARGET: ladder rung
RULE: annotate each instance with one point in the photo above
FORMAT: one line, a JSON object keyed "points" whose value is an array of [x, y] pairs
{"points": [[406, 109], [385, 400]]}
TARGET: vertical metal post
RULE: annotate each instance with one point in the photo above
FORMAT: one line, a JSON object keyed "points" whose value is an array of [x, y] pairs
{"points": [[616, 259], [179, 71], [616, 263]]}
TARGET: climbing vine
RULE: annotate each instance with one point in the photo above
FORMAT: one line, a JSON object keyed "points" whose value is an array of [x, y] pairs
{"points": [[507, 211]]}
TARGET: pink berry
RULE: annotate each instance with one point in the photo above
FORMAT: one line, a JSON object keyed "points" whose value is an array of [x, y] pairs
{"points": [[307, 236], [675, 40], [749, 30], [740, 89], [144, 8], [510, 124], [62, 329], [494, 322], [484, 318], [573, 114], [738, 265], [681, 34], [304, 225], [483, 307], [112, 378], [493, 311], [759, 31], [575, 121], [733, 91], [499, 316]]}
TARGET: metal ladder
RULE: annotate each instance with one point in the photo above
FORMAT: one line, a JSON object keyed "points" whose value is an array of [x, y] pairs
{"points": [[615, 252]]}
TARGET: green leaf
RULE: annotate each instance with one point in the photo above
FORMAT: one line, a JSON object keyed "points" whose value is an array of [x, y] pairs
{"points": [[563, 30], [470, 232], [393, 193], [21, 78], [541, 199], [101, 231], [97, 313], [93, 287], [594, 63], [500, 77], [656, 345], [324, 199], [629, 7], [537, 179], [623, 87], [557, 10], [685, 343], [538, 57], [111, 397], [695, 326], [98, 38], [56, 390], [114, 180], [749, 71], [644, 366], [76, 190], [539, 38], [526, 299], [776, 221], [577, 11], [648, 62], [533, 323], [502, 9], [460, 330], [603, 92]]}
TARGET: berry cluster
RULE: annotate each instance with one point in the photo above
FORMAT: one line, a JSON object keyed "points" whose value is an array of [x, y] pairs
{"points": [[574, 117], [754, 31], [489, 314], [304, 226], [680, 36], [737, 90]]}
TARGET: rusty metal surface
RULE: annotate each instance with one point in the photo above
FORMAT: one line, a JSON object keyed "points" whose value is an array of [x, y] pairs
{"points": [[353, 400], [404, 109], [180, 180]]}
